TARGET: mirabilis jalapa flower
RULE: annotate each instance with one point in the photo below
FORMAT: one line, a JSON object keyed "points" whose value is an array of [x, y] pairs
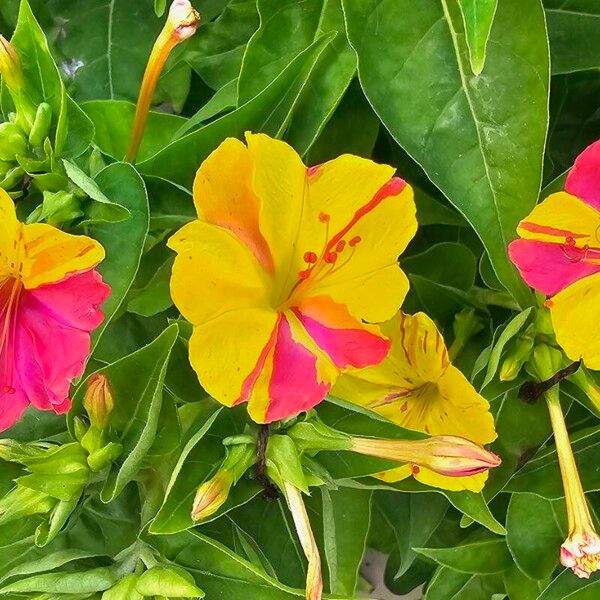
{"points": [[284, 269], [49, 299], [417, 387], [559, 255]]}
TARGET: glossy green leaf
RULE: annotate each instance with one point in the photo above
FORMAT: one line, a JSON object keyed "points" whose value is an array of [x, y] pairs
{"points": [[268, 112], [573, 27], [289, 27], [536, 528], [565, 585], [123, 242], [478, 16], [113, 120], [199, 459], [482, 556], [95, 580], [463, 129], [519, 587]]}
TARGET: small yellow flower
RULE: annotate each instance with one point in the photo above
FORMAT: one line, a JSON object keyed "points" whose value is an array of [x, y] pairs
{"points": [[418, 388]]}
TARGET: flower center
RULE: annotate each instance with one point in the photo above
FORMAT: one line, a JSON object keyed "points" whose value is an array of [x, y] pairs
{"points": [[10, 292]]}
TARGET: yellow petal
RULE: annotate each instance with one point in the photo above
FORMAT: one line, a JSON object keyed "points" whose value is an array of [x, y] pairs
{"points": [[575, 315], [214, 273], [223, 196], [49, 254], [366, 276], [562, 216], [229, 350], [10, 231]]}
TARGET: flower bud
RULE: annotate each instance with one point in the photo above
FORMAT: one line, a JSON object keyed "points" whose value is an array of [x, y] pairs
{"points": [[183, 19], [41, 125], [13, 142], [448, 455], [211, 495], [98, 400], [518, 355], [10, 65]]}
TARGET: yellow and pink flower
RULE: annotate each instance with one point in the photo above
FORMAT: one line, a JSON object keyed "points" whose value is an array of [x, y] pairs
{"points": [[49, 299], [284, 269], [559, 255]]}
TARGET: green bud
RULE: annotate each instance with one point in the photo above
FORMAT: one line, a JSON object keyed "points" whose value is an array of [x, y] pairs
{"points": [[315, 435], [171, 581], [93, 440], [99, 400], [102, 458], [284, 464], [12, 142], [518, 355], [12, 178], [543, 322], [41, 125], [545, 362], [80, 427]]}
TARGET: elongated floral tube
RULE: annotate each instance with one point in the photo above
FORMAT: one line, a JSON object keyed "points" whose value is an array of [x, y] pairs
{"points": [[448, 455], [181, 25], [314, 576], [580, 552]]}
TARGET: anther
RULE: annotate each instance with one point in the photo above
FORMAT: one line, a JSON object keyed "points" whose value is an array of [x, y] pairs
{"points": [[324, 217], [330, 257], [304, 274], [340, 246], [355, 240], [310, 257]]}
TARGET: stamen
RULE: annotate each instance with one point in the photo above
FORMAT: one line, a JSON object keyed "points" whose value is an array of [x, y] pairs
{"points": [[331, 257], [302, 275], [340, 246], [310, 257], [324, 217], [355, 240]]}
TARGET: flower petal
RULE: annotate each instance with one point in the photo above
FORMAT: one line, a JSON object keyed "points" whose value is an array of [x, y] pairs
{"points": [[9, 234], [550, 268], [228, 352], [214, 273], [294, 380], [561, 218], [52, 339], [473, 483], [13, 403], [584, 179], [51, 255], [345, 340], [223, 195], [575, 315], [366, 276]]}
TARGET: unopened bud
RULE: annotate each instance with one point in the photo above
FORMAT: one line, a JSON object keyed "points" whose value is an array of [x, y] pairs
{"points": [[41, 125], [545, 362], [211, 495], [183, 19], [516, 358], [448, 455], [13, 142], [10, 65], [98, 400]]}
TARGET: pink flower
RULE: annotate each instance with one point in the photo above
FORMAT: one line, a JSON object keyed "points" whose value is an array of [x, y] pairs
{"points": [[49, 299]]}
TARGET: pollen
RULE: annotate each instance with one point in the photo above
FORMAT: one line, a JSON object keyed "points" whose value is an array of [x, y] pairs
{"points": [[324, 217], [331, 257], [340, 246], [355, 240], [310, 257], [305, 274]]}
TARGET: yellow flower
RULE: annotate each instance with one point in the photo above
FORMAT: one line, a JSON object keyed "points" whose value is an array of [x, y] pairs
{"points": [[282, 269], [418, 388]]}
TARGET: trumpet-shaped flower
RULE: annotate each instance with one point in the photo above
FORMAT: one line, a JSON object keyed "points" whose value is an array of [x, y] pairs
{"points": [[284, 267], [417, 387], [559, 255], [49, 299]]}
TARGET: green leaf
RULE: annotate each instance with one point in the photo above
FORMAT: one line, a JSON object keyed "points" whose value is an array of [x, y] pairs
{"points": [[536, 528], [268, 112], [102, 209], [199, 459], [223, 574], [123, 242], [465, 135], [448, 584], [101, 58], [541, 475], [137, 384], [86, 582], [166, 581], [478, 16], [482, 556], [113, 120], [346, 515], [280, 36], [123, 590], [567, 586], [519, 587], [573, 29], [217, 49]]}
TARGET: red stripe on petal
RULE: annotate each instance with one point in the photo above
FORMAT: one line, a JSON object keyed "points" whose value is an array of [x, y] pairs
{"points": [[294, 385], [346, 347], [584, 179]]}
